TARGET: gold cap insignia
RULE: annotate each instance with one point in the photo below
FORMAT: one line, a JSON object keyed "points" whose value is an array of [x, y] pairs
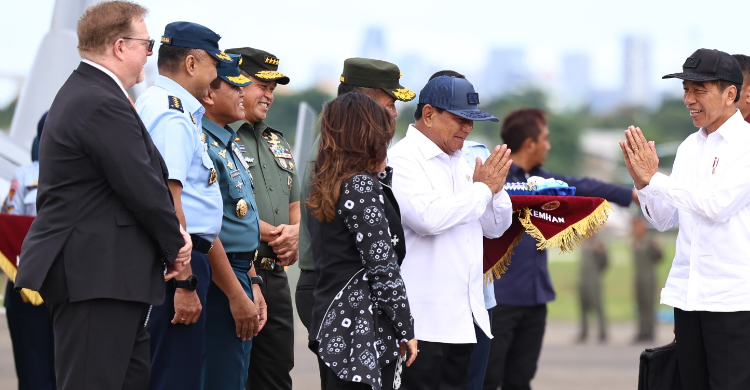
{"points": [[223, 56], [212, 177], [343, 79], [240, 63], [241, 208], [404, 94], [166, 40], [269, 74], [271, 60], [238, 79]]}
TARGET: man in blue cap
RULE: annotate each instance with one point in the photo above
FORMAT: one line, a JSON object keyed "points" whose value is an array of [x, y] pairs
{"points": [[30, 326], [172, 112], [226, 355], [445, 211]]}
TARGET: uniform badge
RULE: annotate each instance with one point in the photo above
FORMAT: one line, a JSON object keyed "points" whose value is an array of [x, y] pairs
{"points": [[234, 174], [192, 118], [175, 104], [282, 162], [215, 144], [203, 137], [230, 165], [223, 154], [280, 151], [289, 182], [242, 148], [291, 165], [249, 160], [212, 177], [239, 185], [241, 208]]}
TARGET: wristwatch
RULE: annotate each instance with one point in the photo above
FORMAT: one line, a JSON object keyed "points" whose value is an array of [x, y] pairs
{"points": [[257, 280], [191, 283]]}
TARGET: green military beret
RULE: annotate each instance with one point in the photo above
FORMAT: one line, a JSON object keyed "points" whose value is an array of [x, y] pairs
{"points": [[369, 73], [260, 64]]}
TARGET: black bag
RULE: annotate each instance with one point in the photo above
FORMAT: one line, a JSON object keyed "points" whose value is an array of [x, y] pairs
{"points": [[658, 369]]}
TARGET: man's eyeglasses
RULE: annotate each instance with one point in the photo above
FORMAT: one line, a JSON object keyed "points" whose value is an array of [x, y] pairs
{"points": [[150, 42]]}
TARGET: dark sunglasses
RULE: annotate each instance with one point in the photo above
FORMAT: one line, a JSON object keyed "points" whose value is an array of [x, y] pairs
{"points": [[150, 42]]}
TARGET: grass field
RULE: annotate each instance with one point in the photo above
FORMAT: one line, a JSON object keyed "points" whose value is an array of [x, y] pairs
{"points": [[618, 283]]}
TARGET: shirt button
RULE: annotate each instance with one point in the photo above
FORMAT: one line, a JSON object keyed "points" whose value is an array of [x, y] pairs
{"points": [[264, 166], [276, 211], [270, 188]]}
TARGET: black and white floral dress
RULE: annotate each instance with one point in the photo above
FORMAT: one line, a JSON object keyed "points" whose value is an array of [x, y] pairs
{"points": [[361, 310]]}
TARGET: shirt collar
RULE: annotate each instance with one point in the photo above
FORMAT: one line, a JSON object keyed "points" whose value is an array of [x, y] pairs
{"points": [[223, 134], [732, 130], [108, 73], [425, 145], [188, 101]]}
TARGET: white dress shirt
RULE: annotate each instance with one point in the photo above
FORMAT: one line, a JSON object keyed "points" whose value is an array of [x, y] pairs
{"points": [[444, 214], [708, 193]]}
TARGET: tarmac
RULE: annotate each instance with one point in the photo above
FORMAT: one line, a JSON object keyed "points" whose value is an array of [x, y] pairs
{"points": [[564, 364]]}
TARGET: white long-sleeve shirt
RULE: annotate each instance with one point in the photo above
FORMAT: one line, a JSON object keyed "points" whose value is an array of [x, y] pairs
{"points": [[708, 193], [444, 214]]}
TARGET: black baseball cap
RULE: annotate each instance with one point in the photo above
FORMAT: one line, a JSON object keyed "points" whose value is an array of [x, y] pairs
{"points": [[709, 65], [456, 96], [194, 36]]}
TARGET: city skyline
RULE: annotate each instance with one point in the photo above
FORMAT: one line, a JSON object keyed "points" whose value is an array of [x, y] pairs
{"points": [[313, 38]]}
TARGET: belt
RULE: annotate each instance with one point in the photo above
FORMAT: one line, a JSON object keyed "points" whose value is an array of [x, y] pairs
{"points": [[200, 244], [265, 263], [249, 256]]}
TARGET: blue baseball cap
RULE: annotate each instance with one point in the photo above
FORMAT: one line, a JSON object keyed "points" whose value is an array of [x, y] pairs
{"points": [[456, 96], [194, 36], [231, 72]]}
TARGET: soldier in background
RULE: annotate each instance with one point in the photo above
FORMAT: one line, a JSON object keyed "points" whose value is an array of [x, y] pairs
{"points": [[30, 326], [646, 254], [594, 261]]}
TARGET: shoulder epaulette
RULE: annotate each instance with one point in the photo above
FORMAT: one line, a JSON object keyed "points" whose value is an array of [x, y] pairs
{"points": [[175, 103]]}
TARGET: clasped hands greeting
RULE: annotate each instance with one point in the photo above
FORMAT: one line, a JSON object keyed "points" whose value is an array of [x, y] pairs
{"points": [[640, 157], [495, 169]]}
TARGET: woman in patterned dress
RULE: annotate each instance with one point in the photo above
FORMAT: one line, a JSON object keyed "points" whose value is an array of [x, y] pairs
{"points": [[361, 324]]}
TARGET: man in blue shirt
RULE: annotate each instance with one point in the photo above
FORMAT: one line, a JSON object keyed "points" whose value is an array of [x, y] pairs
{"points": [[227, 356], [172, 114], [519, 319]]}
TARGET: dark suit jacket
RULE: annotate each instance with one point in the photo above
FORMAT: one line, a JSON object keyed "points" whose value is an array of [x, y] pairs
{"points": [[103, 201]]}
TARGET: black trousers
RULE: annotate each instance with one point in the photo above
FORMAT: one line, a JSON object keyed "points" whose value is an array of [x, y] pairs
{"points": [[272, 354], [304, 299], [33, 342], [518, 332], [100, 344], [713, 349], [438, 366]]}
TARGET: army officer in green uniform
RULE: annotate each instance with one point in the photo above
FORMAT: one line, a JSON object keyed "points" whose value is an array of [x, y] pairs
{"points": [[380, 81], [272, 166], [226, 356]]}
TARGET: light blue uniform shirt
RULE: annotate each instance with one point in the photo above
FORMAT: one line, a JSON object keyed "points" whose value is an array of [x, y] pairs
{"points": [[175, 127], [470, 152], [22, 197]]}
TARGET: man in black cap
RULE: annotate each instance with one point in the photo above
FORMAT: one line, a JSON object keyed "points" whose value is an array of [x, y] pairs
{"points": [[105, 225], [276, 187], [743, 104], [380, 81], [707, 194], [446, 209], [172, 113]]}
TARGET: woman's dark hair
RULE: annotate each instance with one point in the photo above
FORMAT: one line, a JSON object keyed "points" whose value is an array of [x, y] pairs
{"points": [[354, 135]]}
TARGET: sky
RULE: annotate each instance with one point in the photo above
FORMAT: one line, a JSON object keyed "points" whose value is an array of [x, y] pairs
{"points": [[313, 37]]}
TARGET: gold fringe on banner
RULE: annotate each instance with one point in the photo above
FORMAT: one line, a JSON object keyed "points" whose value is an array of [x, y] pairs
{"points": [[568, 239], [501, 266], [28, 296]]}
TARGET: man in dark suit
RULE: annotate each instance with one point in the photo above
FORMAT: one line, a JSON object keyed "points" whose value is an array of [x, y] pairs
{"points": [[105, 225]]}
